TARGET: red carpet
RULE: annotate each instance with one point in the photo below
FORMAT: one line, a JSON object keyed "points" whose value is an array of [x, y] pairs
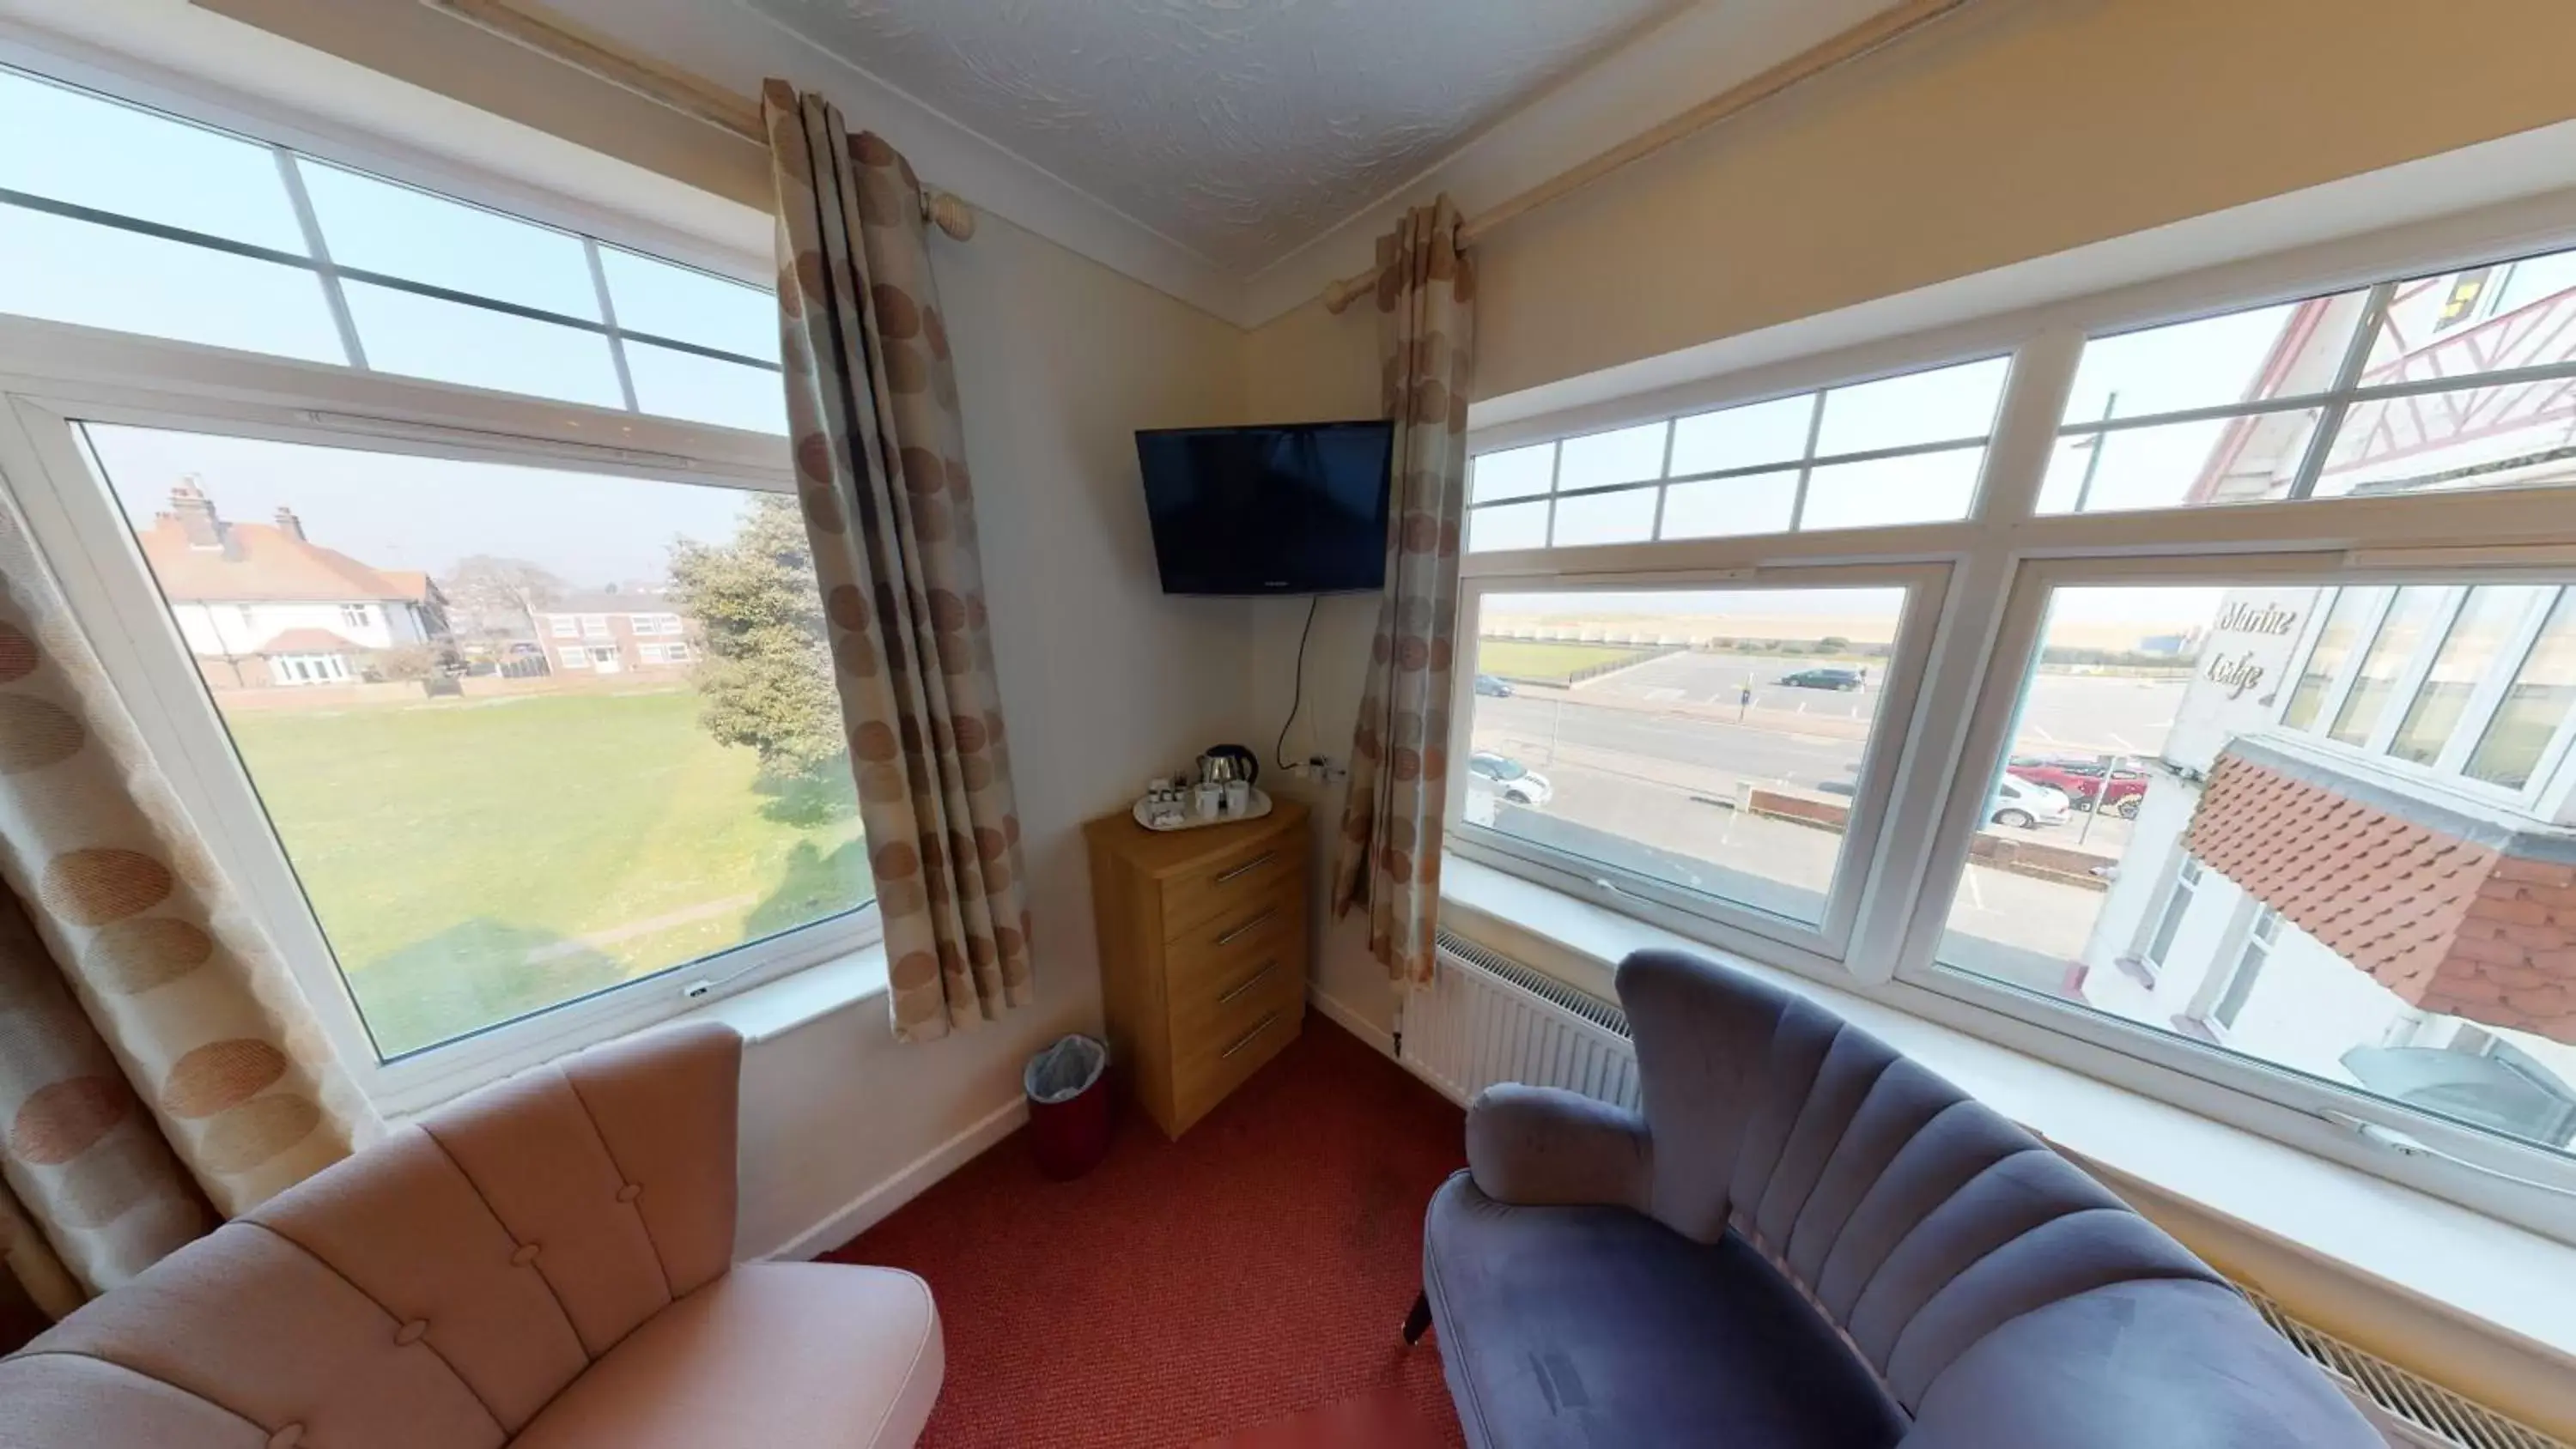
{"points": [[1256, 1271]]}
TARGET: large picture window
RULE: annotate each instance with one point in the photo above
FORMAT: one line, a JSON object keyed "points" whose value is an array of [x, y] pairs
{"points": [[484, 655], [435, 783], [2277, 796]]}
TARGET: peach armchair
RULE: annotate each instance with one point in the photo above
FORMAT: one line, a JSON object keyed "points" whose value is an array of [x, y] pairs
{"points": [[546, 1263]]}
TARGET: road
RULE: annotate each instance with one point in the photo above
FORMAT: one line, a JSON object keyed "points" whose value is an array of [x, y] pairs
{"points": [[1654, 755], [1803, 739]]}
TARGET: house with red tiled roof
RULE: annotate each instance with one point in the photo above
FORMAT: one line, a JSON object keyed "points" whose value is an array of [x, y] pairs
{"points": [[262, 605]]}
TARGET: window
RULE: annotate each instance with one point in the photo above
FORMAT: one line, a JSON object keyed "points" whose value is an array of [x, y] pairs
{"points": [[594, 626], [118, 217], [456, 877], [2280, 797], [2468, 656], [2535, 705], [2431, 383], [1904, 449], [2401, 632], [2325, 661], [356, 616], [1706, 746], [563, 626], [2372, 912], [2177, 908], [2249, 966]]}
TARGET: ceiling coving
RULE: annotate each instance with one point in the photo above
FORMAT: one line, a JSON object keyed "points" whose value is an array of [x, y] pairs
{"points": [[1238, 128]]}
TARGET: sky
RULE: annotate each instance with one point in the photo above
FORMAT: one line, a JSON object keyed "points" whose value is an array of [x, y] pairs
{"points": [[397, 511]]}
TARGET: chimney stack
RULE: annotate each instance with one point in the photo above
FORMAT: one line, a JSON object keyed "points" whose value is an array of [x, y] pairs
{"points": [[290, 525], [196, 513]]}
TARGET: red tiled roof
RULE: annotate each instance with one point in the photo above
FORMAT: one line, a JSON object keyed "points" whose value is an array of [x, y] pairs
{"points": [[414, 584], [2447, 924], [263, 562], [306, 641]]}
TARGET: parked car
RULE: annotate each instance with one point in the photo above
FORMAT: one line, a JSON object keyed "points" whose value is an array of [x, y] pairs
{"points": [[2117, 787], [1828, 677], [1513, 780], [1493, 688], [2022, 805]]}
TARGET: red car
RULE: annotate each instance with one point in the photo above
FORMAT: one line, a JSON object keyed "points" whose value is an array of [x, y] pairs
{"points": [[2119, 787]]}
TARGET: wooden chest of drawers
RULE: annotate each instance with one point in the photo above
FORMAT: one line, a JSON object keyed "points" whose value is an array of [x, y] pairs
{"points": [[1202, 954]]}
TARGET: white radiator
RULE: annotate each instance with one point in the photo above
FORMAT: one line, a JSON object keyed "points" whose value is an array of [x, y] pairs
{"points": [[1485, 1019]]}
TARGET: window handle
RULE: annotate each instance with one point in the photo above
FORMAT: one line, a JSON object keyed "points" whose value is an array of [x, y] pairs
{"points": [[2407, 1146]]}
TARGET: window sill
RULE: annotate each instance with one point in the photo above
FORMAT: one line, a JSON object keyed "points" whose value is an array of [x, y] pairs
{"points": [[775, 1008], [2473, 1269]]}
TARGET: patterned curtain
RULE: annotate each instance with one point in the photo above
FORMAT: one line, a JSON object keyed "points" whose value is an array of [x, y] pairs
{"points": [[158, 1065], [1389, 856], [880, 466]]}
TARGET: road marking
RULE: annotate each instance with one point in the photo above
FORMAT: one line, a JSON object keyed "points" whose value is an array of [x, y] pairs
{"points": [[2125, 747], [1976, 897], [2045, 737]]}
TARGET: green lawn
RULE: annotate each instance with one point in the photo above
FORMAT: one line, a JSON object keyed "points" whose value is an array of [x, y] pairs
{"points": [[475, 859], [1550, 663]]}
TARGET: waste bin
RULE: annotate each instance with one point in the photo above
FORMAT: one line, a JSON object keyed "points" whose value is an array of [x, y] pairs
{"points": [[1068, 1095]]}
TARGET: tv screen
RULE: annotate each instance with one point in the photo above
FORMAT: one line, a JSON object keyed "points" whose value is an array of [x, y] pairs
{"points": [[1298, 509]]}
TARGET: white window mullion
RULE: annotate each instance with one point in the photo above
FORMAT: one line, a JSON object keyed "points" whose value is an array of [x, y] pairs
{"points": [[2410, 677]]}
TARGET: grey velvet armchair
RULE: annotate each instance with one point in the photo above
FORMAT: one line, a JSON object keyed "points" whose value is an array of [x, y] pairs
{"points": [[1808, 1240]]}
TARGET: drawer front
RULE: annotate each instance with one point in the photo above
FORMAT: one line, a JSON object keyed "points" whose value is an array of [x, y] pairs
{"points": [[1216, 1004], [1217, 1064], [1221, 886], [1252, 924]]}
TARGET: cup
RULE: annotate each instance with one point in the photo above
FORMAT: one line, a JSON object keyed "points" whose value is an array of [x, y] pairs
{"points": [[1238, 796], [1210, 797]]}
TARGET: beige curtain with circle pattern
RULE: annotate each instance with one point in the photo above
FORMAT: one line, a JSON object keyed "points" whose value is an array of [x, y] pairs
{"points": [[881, 472], [158, 1065], [1388, 861]]}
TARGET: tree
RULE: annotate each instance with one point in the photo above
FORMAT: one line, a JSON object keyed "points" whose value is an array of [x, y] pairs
{"points": [[494, 597], [767, 676]]}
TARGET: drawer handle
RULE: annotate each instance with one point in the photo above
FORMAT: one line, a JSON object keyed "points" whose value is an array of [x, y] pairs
{"points": [[1256, 863], [1250, 982], [1230, 937], [1258, 1028]]}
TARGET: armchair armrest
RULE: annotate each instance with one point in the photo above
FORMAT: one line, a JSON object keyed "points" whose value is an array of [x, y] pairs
{"points": [[1535, 1146]]}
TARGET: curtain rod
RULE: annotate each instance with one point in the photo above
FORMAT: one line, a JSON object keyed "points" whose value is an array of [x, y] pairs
{"points": [[700, 99], [1881, 29]]}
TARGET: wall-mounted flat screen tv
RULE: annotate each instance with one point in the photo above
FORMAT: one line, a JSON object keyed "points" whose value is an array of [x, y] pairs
{"points": [[1286, 509]]}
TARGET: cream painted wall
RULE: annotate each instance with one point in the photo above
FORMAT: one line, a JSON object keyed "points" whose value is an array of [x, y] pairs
{"points": [[2016, 129], [1310, 366], [1104, 683]]}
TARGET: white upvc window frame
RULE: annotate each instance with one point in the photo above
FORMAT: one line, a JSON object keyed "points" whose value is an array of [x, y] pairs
{"points": [[54, 375], [1925, 584], [2002, 560]]}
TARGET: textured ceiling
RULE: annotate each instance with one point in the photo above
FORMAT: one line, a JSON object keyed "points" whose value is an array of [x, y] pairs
{"points": [[1239, 128]]}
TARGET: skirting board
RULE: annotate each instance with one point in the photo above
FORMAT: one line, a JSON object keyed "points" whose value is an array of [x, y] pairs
{"points": [[877, 1203], [1350, 1021]]}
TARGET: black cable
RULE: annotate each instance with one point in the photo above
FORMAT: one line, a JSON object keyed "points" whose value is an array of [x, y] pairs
{"points": [[1280, 750]]}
